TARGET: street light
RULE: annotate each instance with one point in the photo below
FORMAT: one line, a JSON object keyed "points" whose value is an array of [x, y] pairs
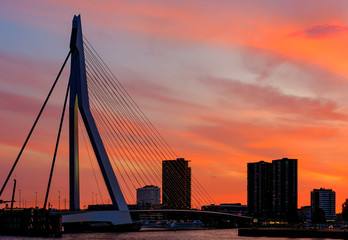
{"points": [[58, 200], [19, 198]]}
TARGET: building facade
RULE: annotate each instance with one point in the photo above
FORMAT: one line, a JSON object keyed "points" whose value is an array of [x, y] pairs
{"points": [[326, 200], [176, 184], [284, 188], [259, 189], [272, 189], [148, 196], [304, 213], [233, 208]]}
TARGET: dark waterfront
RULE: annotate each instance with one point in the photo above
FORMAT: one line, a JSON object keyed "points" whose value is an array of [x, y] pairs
{"points": [[221, 234]]}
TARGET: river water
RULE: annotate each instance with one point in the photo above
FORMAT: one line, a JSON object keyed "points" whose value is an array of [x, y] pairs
{"points": [[220, 234]]}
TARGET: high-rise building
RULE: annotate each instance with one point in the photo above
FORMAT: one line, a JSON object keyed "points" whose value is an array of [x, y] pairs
{"points": [[326, 200], [148, 196], [284, 188], [176, 184], [259, 189], [272, 189]]}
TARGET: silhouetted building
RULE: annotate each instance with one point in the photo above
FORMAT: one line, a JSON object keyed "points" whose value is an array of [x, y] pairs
{"points": [[176, 184], [284, 188], [304, 213], [326, 200], [272, 189], [233, 208], [148, 196], [259, 189]]}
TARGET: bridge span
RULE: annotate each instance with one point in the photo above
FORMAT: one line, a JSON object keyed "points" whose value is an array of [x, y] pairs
{"points": [[209, 218]]}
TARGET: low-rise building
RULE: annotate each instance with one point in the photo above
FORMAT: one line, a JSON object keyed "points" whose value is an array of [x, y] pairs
{"points": [[326, 200], [148, 196], [233, 208], [304, 213]]}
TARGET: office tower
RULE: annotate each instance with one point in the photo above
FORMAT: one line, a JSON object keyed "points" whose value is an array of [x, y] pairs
{"points": [[176, 184], [326, 200], [284, 188], [148, 196], [259, 189]]}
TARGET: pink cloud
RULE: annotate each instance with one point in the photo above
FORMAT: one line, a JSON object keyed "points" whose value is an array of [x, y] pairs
{"points": [[273, 100], [24, 106], [322, 31], [158, 94]]}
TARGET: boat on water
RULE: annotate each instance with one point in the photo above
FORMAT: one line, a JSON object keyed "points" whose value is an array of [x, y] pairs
{"points": [[176, 225], [155, 224], [183, 224]]}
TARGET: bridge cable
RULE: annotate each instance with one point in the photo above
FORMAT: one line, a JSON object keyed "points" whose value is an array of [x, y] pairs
{"points": [[102, 121], [107, 124], [126, 138], [131, 100], [122, 128], [127, 157], [124, 141], [90, 160], [129, 113], [57, 144], [130, 123], [200, 189], [128, 127], [159, 180], [33, 127], [136, 130], [125, 125], [136, 123], [108, 142]]}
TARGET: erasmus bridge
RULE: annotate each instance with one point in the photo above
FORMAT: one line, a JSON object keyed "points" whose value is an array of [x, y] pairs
{"points": [[128, 148]]}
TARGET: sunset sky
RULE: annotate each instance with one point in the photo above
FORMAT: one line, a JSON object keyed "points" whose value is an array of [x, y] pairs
{"points": [[225, 82]]}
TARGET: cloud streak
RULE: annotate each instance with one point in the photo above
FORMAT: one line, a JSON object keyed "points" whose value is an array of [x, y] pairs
{"points": [[272, 99], [322, 31]]}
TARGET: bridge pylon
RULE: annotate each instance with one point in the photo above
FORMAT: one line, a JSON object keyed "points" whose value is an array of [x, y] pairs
{"points": [[79, 102]]}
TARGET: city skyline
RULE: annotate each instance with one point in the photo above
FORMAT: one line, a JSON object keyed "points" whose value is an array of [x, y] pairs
{"points": [[222, 87]]}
